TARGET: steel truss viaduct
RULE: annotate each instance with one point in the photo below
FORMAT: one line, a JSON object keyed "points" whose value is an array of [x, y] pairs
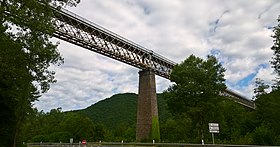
{"points": [[79, 31]]}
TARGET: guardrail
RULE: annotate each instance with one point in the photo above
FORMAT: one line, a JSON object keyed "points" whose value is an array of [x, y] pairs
{"points": [[115, 144]]}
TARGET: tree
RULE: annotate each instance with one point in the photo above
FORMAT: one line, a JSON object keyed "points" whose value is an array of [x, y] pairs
{"points": [[260, 89], [196, 90], [174, 130], [276, 54], [268, 112], [25, 55], [79, 126], [58, 126], [268, 109], [33, 125]]}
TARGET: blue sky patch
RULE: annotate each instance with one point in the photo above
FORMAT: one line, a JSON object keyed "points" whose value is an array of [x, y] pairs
{"points": [[263, 66], [247, 80]]}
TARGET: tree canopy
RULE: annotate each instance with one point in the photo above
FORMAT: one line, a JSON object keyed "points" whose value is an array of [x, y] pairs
{"points": [[26, 53], [196, 81], [275, 61], [198, 84], [56, 126]]}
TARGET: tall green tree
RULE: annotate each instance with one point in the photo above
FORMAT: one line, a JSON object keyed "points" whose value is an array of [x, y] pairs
{"points": [[26, 52], [268, 112], [197, 86], [260, 88], [276, 54]]}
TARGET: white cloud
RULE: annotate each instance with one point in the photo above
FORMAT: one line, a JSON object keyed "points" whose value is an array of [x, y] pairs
{"points": [[239, 30]]}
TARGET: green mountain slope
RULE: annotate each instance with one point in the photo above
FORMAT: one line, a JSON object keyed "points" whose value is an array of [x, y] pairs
{"points": [[120, 109]]}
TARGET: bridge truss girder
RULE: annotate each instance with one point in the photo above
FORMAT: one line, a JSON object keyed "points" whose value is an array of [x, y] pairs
{"points": [[86, 34]]}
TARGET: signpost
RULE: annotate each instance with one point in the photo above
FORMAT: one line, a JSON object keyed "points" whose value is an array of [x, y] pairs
{"points": [[214, 128]]}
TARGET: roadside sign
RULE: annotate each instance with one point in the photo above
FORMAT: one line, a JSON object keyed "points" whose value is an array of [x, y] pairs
{"points": [[71, 140], [214, 128]]}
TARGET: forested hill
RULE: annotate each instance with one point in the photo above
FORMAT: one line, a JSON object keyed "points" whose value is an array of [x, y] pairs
{"points": [[120, 110]]}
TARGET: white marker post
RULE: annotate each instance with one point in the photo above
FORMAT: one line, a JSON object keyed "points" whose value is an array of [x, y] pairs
{"points": [[213, 138], [213, 128], [71, 140]]}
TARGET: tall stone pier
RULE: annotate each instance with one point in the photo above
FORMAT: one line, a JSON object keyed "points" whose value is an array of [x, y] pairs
{"points": [[147, 111]]}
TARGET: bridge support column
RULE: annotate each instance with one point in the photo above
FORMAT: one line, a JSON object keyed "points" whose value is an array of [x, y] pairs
{"points": [[147, 111]]}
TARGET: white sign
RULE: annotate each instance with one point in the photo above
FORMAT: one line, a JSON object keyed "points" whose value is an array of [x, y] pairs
{"points": [[71, 140], [214, 128]]}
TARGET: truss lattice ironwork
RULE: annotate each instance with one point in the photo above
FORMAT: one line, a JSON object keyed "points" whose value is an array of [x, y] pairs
{"points": [[86, 34], [79, 31]]}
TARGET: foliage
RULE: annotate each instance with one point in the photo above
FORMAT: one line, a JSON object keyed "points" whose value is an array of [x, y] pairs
{"points": [[57, 126], [155, 134], [268, 110], [176, 130], [196, 90], [118, 114], [188, 104], [263, 136], [106, 125], [238, 125], [65, 2], [26, 52], [234, 125], [80, 127], [196, 81], [276, 53], [276, 48], [120, 110], [260, 89]]}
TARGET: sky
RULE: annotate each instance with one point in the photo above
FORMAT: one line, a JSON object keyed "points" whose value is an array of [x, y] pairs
{"points": [[238, 32]]}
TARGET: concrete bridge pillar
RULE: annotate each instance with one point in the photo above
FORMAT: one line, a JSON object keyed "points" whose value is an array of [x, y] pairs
{"points": [[147, 111]]}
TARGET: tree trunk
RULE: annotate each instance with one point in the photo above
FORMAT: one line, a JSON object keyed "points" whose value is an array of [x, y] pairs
{"points": [[201, 127], [15, 137]]}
